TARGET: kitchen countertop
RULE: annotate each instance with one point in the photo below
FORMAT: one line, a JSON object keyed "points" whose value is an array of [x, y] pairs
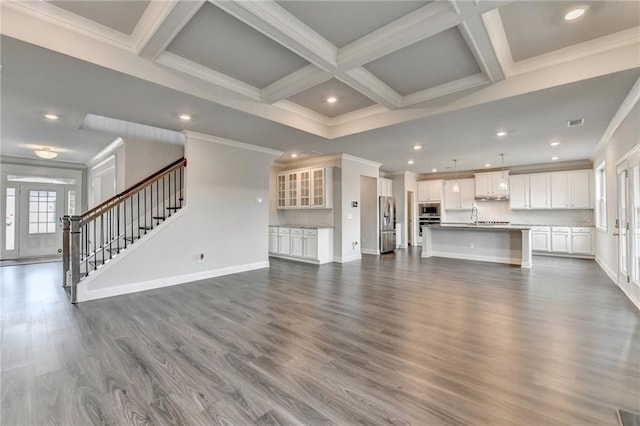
{"points": [[481, 227], [554, 224], [303, 226]]}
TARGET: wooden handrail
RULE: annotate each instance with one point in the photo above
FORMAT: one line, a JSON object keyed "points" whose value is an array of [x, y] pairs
{"points": [[127, 193]]}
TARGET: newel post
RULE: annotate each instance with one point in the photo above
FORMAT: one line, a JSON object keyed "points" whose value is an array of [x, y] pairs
{"points": [[66, 227], [75, 255]]}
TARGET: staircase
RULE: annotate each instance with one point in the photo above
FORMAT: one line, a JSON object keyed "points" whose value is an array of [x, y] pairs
{"points": [[107, 230]]}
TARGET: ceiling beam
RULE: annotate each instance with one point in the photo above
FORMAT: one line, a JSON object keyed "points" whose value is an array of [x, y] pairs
{"points": [[371, 86], [445, 89], [160, 24], [419, 25], [294, 83]]}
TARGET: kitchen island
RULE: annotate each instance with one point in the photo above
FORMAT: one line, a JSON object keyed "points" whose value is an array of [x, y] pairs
{"points": [[486, 243]]}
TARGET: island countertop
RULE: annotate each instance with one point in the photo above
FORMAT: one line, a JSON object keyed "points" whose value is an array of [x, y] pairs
{"points": [[481, 226]]}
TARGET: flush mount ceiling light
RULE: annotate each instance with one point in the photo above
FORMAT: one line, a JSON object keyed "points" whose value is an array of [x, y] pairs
{"points": [[45, 153], [576, 12], [332, 99], [456, 186], [554, 158], [184, 117], [503, 183], [554, 143], [51, 116], [417, 147], [487, 165], [294, 155], [501, 133], [410, 162]]}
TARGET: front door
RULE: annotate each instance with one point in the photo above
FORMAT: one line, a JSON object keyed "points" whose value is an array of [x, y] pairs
{"points": [[41, 206]]}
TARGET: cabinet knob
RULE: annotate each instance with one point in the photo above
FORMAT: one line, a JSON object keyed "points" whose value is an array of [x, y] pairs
{"points": [[615, 234]]}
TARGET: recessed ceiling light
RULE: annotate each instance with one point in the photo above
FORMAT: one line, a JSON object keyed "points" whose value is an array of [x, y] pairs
{"points": [[51, 116], [45, 153], [410, 162], [332, 99], [417, 147], [294, 155], [575, 13], [184, 117], [501, 133], [487, 165], [554, 158], [434, 170], [554, 143]]}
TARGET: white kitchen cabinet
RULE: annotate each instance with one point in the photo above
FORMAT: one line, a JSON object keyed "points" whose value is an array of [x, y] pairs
{"points": [[487, 185], [305, 188], [560, 239], [385, 187], [541, 238], [430, 190], [529, 191], [572, 190], [582, 241], [462, 200], [310, 245]]}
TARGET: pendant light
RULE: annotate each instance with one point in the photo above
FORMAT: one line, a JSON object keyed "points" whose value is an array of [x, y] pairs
{"points": [[503, 183], [456, 187]]}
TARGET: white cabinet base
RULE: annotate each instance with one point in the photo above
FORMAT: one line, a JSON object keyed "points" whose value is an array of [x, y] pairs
{"points": [[309, 248]]}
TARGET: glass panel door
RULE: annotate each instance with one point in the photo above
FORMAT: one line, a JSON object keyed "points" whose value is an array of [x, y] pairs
{"points": [[621, 224], [41, 206], [634, 219], [318, 187]]}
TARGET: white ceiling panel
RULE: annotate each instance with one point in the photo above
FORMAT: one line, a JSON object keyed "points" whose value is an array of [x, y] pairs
{"points": [[316, 98], [120, 15], [219, 41], [545, 19], [437, 60], [343, 22]]}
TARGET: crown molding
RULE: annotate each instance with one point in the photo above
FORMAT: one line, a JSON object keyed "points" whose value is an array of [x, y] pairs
{"points": [[445, 89], [105, 152], [630, 101], [236, 144], [304, 112], [296, 82], [371, 86], [73, 22], [358, 114], [360, 160], [418, 25], [279, 25], [160, 24], [186, 66]]}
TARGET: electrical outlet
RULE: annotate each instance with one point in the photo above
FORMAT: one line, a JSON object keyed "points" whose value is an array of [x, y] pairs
{"points": [[201, 258], [470, 245]]}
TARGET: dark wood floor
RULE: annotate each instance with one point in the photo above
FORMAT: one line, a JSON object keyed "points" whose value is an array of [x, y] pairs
{"points": [[394, 339]]}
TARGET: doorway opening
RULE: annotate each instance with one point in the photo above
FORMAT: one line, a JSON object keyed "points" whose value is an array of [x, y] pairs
{"points": [[410, 218]]}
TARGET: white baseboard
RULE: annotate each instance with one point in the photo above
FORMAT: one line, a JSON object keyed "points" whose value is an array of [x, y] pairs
{"points": [[571, 255], [402, 246], [610, 272], [345, 259], [370, 251], [84, 294], [478, 257], [297, 259]]}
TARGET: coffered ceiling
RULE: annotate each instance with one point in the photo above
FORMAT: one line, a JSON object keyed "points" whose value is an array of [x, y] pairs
{"points": [[388, 63]]}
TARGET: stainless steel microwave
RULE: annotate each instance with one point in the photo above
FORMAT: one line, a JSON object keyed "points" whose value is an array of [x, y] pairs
{"points": [[429, 209]]}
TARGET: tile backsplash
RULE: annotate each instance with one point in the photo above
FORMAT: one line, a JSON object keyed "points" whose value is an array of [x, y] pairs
{"points": [[499, 211], [315, 217]]}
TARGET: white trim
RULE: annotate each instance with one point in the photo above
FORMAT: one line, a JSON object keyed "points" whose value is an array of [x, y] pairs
{"points": [[626, 156], [568, 255], [630, 101], [345, 259], [371, 86], [370, 251], [70, 21], [193, 69], [479, 258], [357, 114], [296, 82], [474, 34], [229, 142], [303, 111], [85, 294], [445, 89], [298, 259], [613, 275], [107, 151], [361, 160], [149, 22]]}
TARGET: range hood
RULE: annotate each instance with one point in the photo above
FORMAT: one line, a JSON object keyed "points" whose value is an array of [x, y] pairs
{"points": [[492, 198]]}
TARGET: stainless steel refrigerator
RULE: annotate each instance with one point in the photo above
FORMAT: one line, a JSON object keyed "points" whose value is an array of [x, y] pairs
{"points": [[387, 224]]}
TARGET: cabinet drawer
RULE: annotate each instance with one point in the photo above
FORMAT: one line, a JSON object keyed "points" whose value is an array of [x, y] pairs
{"points": [[561, 229], [310, 232], [284, 231], [581, 230], [540, 229], [273, 229], [296, 231]]}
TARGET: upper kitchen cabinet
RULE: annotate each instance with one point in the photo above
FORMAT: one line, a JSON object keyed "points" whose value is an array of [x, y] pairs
{"points": [[305, 189], [572, 190], [461, 200], [530, 191], [488, 184], [385, 187], [429, 190]]}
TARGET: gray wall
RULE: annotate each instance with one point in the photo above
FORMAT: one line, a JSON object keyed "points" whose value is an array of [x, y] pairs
{"points": [[223, 220], [625, 138], [368, 214], [143, 158]]}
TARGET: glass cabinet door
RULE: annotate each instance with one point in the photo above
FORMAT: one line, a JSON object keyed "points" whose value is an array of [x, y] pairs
{"points": [[305, 188], [318, 187], [292, 179], [281, 189]]}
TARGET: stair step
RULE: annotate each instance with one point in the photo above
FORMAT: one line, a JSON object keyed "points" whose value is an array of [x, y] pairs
{"points": [[132, 239], [146, 228], [113, 250], [159, 217], [173, 208]]}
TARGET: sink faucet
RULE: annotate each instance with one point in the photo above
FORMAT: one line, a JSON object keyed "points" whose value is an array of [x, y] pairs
{"points": [[474, 215]]}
